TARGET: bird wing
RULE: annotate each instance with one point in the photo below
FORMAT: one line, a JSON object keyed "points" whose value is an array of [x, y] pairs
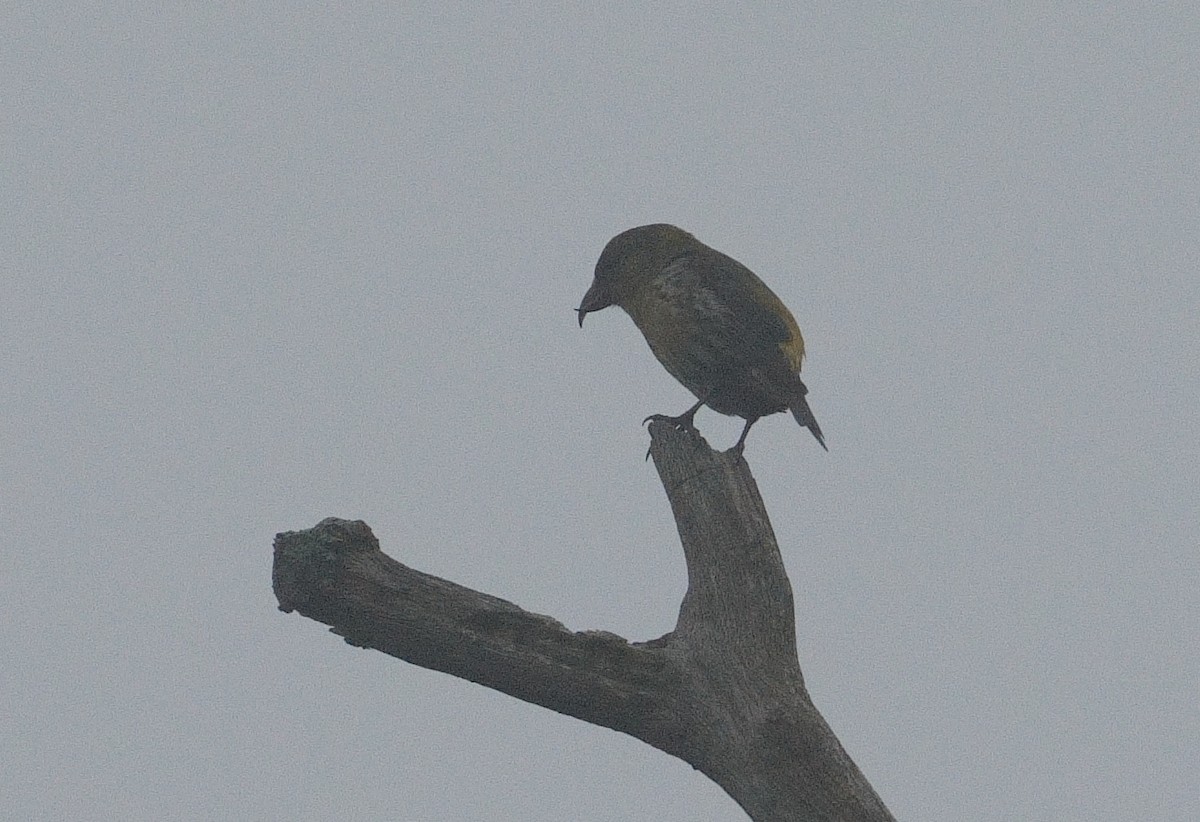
{"points": [[722, 333], [736, 313]]}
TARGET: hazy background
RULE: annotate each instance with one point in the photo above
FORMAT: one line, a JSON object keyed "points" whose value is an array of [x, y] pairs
{"points": [[264, 266]]}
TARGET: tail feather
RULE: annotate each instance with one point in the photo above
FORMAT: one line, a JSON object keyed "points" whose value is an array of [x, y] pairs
{"points": [[804, 416]]}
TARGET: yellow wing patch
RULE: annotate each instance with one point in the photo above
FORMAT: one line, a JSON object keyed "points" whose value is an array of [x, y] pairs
{"points": [[793, 346]]}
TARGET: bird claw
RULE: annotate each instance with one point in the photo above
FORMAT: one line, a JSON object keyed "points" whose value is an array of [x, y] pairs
{"points": [[681, 423]]}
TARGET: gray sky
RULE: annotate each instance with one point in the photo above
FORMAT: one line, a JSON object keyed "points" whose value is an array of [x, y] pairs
{"points": [[267, 266]]}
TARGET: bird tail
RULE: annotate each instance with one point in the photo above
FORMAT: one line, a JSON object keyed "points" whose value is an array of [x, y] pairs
{"points": [[804, 416]]}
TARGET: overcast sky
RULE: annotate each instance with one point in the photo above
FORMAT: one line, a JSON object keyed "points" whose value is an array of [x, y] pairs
{"points": [[270, 264]]}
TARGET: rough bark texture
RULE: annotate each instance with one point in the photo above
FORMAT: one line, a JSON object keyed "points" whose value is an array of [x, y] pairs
{"points": [[722, 691]]}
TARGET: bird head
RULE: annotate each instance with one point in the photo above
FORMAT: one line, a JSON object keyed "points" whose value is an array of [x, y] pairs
{"points": [[629, 261]]}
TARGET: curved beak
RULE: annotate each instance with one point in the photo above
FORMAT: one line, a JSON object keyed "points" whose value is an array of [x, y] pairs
{"points": [[594, 300]]}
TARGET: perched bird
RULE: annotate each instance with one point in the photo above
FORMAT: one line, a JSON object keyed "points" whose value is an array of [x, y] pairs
{"points": [[711, 322]]}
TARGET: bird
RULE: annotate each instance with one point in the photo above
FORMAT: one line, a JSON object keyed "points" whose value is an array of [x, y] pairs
{"points": [[712, 323]]}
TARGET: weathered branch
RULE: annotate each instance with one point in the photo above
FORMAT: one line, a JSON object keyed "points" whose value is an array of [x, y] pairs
{"points": [[723, 691]]}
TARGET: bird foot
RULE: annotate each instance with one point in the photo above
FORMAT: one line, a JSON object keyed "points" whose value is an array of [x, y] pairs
{"points": [[682, 423]]}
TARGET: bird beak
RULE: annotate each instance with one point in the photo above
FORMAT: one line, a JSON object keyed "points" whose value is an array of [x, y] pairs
{"points": [[593, 300]]}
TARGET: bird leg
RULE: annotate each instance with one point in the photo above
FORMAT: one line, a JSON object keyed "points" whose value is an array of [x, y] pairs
{"points": [[683, 422], [740, 445]]}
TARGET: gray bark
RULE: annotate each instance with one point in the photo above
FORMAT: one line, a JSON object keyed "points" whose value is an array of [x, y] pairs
{"points": [[722, 691]]}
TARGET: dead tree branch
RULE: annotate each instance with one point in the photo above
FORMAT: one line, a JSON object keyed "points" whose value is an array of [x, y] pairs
{"points": [[722, 691]]}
